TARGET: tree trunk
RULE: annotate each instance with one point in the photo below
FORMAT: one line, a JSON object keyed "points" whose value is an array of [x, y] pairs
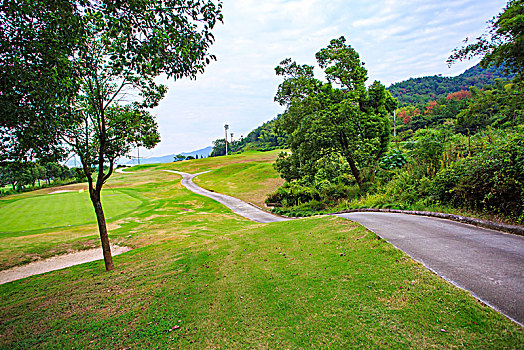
{"points": [[355, 171], [102, 228]]}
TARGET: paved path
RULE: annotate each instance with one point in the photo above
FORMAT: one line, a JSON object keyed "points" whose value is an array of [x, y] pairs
{"points": [[488, 263], [235, 204]]}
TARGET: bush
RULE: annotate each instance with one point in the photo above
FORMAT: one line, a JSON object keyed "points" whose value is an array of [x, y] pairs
{"points": [[393, 159], [491, 180], [292, 193]]}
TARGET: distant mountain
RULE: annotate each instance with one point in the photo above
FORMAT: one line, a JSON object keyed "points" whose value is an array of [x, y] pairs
{"points": [[204, 152], [425, 89]]}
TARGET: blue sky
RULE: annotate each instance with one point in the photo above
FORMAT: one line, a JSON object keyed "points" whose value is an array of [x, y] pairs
{"points": [[397, 39]]}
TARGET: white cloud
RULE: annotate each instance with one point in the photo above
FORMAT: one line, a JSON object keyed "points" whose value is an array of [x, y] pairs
{"points": [[397, 39]]}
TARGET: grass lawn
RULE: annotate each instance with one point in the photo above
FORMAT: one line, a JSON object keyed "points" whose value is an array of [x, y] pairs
{"points": [[249, 176], [201, 277], [59, 210]]}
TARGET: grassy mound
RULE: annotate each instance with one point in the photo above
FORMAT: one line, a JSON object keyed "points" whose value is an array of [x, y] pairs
{"points": [[249, 176]]}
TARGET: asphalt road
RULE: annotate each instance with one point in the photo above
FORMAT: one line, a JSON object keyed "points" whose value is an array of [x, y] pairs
{"points": [[235, 204], [487, 263]]}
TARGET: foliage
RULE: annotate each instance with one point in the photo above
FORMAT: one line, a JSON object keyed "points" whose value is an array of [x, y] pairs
{"points": [[21, 175], [293, 193], [350, 120], [492, 180], [127, 45], [37, 77], [503, 46], [422, 90], [219, 148], [262, 138], [393, 159], [265, 138], [466, 112], [427, 146], [499, 105]]}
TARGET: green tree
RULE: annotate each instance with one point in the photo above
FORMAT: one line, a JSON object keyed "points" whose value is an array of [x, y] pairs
{"points": [[37, 77], [350, 120], [503, 45], [53, 171], [219, 148], [126, 46]]}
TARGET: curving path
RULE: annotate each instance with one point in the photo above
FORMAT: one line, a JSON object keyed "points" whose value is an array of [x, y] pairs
{"points": [[238, 206], [488, 263]]}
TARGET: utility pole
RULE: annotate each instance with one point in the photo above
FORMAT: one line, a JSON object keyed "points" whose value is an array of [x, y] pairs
{"points": [[138, 148], [226, 127], [395, 123]]}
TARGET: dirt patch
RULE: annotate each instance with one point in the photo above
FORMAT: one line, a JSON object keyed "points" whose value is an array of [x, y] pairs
{"points": [[56, 263], [154, 216]]}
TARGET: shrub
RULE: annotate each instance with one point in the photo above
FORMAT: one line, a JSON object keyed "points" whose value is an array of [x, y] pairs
{"points": [[492, 180], [393, 159], [293, 193]]}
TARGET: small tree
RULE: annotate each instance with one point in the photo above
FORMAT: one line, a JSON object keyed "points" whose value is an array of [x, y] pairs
{"points": [[126, 45]]}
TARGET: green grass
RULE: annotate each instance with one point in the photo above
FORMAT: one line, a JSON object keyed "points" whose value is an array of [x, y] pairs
{"points": [[317, 283], [59, 210], [249, 176], [227, 282]]}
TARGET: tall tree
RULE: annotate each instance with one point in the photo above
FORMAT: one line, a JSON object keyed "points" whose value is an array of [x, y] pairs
{"points": [[127, 45], [348, 119], [113, 53]]}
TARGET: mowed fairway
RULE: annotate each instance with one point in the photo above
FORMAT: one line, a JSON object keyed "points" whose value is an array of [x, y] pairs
{"points": [[249, 176], [59, 210], [201, 277]]}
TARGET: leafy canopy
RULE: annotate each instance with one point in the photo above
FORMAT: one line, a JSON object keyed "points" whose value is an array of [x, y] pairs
{"points": [[37, 77], [349, 120]]}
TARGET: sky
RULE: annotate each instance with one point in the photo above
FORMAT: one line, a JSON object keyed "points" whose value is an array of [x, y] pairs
{"points": [[397, 40]]}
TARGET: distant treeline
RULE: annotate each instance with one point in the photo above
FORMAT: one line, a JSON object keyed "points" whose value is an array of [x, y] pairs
{"points": [[263, 138], [425, 89], [22, 176]]}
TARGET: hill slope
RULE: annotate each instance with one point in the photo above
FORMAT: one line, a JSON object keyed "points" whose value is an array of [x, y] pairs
{"points": [[425, 89]]}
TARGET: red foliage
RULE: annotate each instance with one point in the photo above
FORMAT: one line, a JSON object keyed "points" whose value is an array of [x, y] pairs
{"points": [[431, 105], [459, 95], [406, 118]]}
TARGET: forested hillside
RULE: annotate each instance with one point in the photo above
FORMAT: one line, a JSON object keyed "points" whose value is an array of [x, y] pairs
{"points": [[425, 89]]}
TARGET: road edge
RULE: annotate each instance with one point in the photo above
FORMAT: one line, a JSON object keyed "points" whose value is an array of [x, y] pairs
{"points": [[513, 229]]}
